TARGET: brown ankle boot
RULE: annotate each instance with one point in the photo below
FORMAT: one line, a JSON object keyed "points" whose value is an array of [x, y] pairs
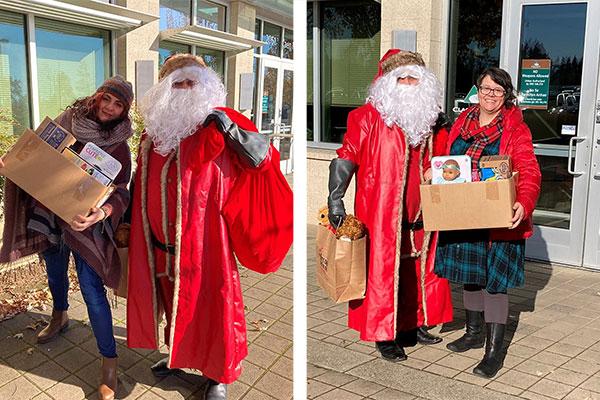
{"points": [[58, 324], [108, 385]]}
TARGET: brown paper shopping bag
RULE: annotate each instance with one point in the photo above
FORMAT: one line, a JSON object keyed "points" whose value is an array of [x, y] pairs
{"points": [[341, 266], [122, 241]]}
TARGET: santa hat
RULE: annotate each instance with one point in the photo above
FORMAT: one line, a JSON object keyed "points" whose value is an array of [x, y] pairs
{"points": [[395, 58], [177, 61]]}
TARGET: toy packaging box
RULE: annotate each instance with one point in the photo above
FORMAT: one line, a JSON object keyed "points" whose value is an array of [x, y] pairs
{"points": [[36, 164], [450, 169], [493, 168]]}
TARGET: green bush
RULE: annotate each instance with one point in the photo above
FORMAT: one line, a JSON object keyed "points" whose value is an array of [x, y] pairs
{"points": [[8, 126]]}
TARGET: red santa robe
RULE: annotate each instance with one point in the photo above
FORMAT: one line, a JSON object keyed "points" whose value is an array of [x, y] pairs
{"points": [[402, 292], [214, 207]]}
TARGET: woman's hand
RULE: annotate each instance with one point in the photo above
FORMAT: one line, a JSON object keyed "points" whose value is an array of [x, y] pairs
{"points": [[427, 174], [81, 223], [518, 215]]}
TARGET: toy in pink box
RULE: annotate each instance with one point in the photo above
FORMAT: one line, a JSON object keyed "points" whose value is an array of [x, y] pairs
{"points": [[451, 169]]}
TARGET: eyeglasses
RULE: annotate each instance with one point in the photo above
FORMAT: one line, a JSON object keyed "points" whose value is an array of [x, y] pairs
{"points": [[488, 91]]}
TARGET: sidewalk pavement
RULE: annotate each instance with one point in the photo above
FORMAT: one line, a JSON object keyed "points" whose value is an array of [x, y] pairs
{"points": [[554, 353], [68, 368]]}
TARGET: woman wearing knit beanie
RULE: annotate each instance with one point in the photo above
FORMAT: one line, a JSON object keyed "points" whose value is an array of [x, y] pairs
{"points": [[30, 228]]}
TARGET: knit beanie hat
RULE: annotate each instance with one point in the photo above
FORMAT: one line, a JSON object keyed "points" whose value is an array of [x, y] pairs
{"points": [[177, 61], [118, 87], [395, 58]]}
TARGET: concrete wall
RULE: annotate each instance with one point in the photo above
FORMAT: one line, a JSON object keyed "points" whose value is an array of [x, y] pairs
{"points": [[317, 176], [242, 23], [422, 16], [139, 44]]}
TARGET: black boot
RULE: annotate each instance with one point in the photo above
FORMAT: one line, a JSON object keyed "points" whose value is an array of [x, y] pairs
{"points": [[391, 351], [215, 390], [426, 338], [494, 355], [161, 369], [473, 337]]}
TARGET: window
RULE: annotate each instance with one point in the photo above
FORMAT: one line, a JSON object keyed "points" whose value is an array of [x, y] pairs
{"points": [[475, 27], [214, 59], [257, 34], [210, 15], [14, 87], [271, 35], [349, 54], [167, 49], [288, 44], [72, 61], [175, 14]]}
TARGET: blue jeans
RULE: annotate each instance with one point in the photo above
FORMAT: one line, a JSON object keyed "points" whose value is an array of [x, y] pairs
{"points": [[92, 289]]}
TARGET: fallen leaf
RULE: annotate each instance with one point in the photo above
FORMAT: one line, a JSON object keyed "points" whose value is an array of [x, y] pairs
{"points": [[18, 336]]}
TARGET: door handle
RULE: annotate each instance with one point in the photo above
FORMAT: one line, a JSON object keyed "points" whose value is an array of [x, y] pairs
{"points": [[570, 155]]}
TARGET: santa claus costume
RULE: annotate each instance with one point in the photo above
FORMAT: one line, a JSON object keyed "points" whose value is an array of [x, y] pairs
{"points": [[207, 186], [389, 144]]}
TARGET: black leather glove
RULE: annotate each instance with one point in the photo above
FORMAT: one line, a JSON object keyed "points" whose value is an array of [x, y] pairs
{"points": [[340, 174], [251, 147]]}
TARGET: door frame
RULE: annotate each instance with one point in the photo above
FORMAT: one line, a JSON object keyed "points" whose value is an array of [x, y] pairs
{"points": [[549, 243], [277, 133]]}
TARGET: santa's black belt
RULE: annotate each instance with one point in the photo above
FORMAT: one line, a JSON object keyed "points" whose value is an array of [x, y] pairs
{"points": [[167, 248], [412, 226]]}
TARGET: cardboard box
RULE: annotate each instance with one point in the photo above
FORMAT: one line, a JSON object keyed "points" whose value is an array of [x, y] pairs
{"points": [[49, 177], [473, 205]]}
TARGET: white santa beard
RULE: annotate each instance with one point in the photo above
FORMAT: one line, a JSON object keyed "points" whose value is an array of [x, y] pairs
{"points": [[414, 108], [170, 115]]}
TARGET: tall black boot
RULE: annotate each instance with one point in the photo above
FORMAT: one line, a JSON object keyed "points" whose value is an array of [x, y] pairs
{"points": [[473, 337], [494, 356]]}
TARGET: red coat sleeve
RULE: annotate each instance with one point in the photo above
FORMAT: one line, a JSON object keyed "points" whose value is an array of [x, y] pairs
{"points": [[525, 162], [356, 134], [259, 214]]}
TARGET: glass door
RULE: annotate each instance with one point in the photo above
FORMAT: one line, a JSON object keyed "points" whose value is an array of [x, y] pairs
{"points": [[275, 107], [551, 51]]}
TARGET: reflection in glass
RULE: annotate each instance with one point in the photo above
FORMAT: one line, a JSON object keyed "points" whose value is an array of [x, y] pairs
{"points": [[309, 74], [271, 35], [215, 59], [210, 15], [257, 33], [540, 39], [554, 205], [350, 41], [14, 87], [288, 44], [474, 45], [268, 99], [175, 14], [72, 61], [167, 49], [286, 113], [555, 32]]}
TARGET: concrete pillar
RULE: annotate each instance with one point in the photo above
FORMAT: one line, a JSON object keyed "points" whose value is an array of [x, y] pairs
{"points": [[422, 16], [139, 44], [242, 22]]}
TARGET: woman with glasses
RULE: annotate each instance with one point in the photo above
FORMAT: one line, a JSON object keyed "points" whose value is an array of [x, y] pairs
{"points": [[488, 262]]}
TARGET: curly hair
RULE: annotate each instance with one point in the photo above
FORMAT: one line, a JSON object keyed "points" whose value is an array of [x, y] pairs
{"points": [[502, 78]]}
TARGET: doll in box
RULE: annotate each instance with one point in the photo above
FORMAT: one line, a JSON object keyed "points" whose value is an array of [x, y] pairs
{"points": [[448, 170]]}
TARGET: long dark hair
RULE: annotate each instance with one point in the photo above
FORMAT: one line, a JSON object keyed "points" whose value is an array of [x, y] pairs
{"points": [[502, 78], [87, 107]]}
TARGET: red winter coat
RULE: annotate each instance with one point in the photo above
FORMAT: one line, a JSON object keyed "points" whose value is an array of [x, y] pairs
{"points": [[515, 142], [225, 208], [379, 152]]}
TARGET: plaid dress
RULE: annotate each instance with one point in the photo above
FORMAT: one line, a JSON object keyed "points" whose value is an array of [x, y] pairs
{"points": [[468, 257]]}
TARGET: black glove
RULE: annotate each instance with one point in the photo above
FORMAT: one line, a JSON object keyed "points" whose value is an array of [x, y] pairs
{"points": [[251, 147], [340, 174]]}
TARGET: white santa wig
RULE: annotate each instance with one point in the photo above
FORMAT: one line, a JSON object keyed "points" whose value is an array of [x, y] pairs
{"points": [[172, 114], [414, 108]]}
